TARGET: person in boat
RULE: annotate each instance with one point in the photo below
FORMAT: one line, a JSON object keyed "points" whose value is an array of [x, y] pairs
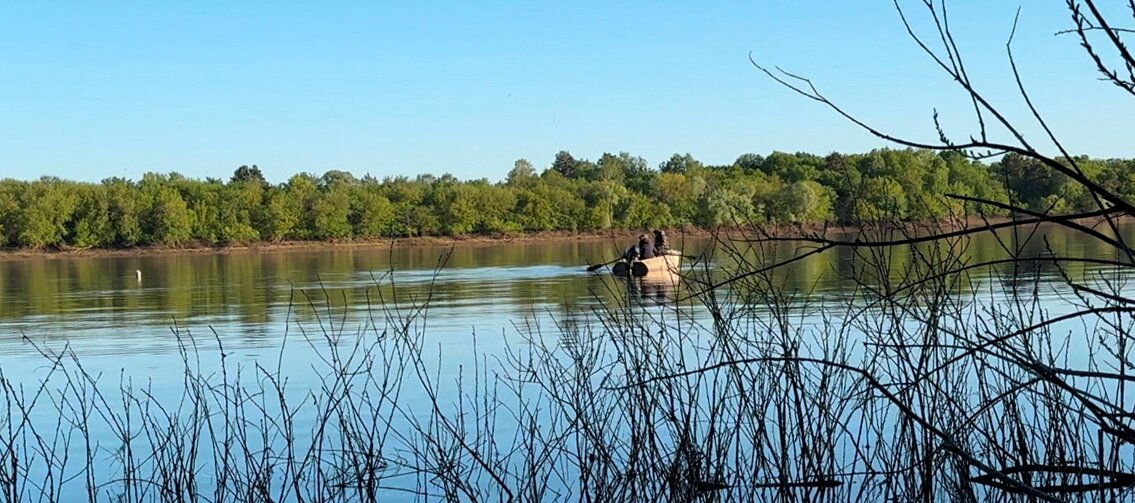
{"points": [[661, 244], [643, 250]]}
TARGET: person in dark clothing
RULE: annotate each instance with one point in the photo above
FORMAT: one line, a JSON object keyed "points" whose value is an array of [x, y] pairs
{"points": [[645, 247], [661, 244]]}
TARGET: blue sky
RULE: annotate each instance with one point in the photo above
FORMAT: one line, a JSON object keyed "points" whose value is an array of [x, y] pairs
{"points": [[97, 89]]}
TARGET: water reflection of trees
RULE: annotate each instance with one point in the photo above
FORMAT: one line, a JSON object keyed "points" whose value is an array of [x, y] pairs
{"points": [[249, 288]]}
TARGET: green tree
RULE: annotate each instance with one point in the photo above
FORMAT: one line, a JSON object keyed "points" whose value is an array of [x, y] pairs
{"points": [[496, 207], [283, 215], [841, 174], [457, 210], [1028, 182], [249, 174], [335, 178], [91, 225], [126, 202], [680, 193], [372, 214], [241, 206], [636, 211], [882, 198], [766, 192], [46, 206], [205, 201], [792, 168], [601, 199], [564, 164], [806, 201], [10, 191], [168, 221], [547, 207], [329, 214], [522, 174], [722, 206], [680, 164], [609, 168], [749, 162], [407, 195]]}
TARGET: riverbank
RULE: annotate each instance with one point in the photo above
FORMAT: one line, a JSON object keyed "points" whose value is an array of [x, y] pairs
{"points": [[289, 246], [619, 237]]}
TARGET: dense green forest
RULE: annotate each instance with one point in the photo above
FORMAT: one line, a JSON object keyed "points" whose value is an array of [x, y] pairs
{"points": [[615, 192]]}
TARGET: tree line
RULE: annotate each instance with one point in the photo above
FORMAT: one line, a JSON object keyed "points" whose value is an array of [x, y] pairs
{"points": [[618, 191]]}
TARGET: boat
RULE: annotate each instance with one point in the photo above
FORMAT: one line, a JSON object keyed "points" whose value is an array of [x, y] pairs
{"points": [[662, 266]]}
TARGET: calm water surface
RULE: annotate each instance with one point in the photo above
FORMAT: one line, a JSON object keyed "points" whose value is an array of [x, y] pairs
{"points": [[99, 308], [274, 308], [247, 301]]}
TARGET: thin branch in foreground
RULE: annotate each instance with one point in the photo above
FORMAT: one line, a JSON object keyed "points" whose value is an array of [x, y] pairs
{"points": [[948, 442]]}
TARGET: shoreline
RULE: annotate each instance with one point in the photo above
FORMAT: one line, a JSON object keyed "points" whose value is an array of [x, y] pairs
{"points": [[620, 236], [358, 244]]}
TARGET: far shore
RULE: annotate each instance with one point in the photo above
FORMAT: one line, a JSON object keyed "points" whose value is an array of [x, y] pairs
{"points": [[618, 236], [622, 236]]}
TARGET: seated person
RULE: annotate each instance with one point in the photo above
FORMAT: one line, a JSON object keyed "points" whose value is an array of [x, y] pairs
{"points": [[661, 244], [645, 247], [643, 250]]}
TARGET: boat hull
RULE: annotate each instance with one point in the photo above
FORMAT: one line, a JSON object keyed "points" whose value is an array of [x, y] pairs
{"points": [[661, 266]]}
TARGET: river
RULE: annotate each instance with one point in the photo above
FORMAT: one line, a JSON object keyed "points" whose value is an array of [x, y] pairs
{"points": [[283, 309]]}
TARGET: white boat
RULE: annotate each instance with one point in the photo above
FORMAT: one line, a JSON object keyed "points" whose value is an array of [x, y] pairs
{"points": [[662, 266]]}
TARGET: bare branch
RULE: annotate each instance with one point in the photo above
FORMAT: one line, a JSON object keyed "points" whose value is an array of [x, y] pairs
{"points": [[948, 441]]}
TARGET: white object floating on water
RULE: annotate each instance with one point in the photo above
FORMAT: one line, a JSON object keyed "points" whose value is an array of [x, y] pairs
{"points": [[138, 274]]}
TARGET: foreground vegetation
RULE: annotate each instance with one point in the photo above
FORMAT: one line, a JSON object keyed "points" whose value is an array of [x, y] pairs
{"points": [[616, 192], [902, 388], [922, 382]]}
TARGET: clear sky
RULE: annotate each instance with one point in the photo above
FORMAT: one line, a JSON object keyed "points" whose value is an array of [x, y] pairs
{"points": [[90, 90]]}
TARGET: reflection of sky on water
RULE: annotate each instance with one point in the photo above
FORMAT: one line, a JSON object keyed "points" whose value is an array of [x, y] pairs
{"points": [[98, 307], [244, 296], [473, 274], [121, 329]]}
